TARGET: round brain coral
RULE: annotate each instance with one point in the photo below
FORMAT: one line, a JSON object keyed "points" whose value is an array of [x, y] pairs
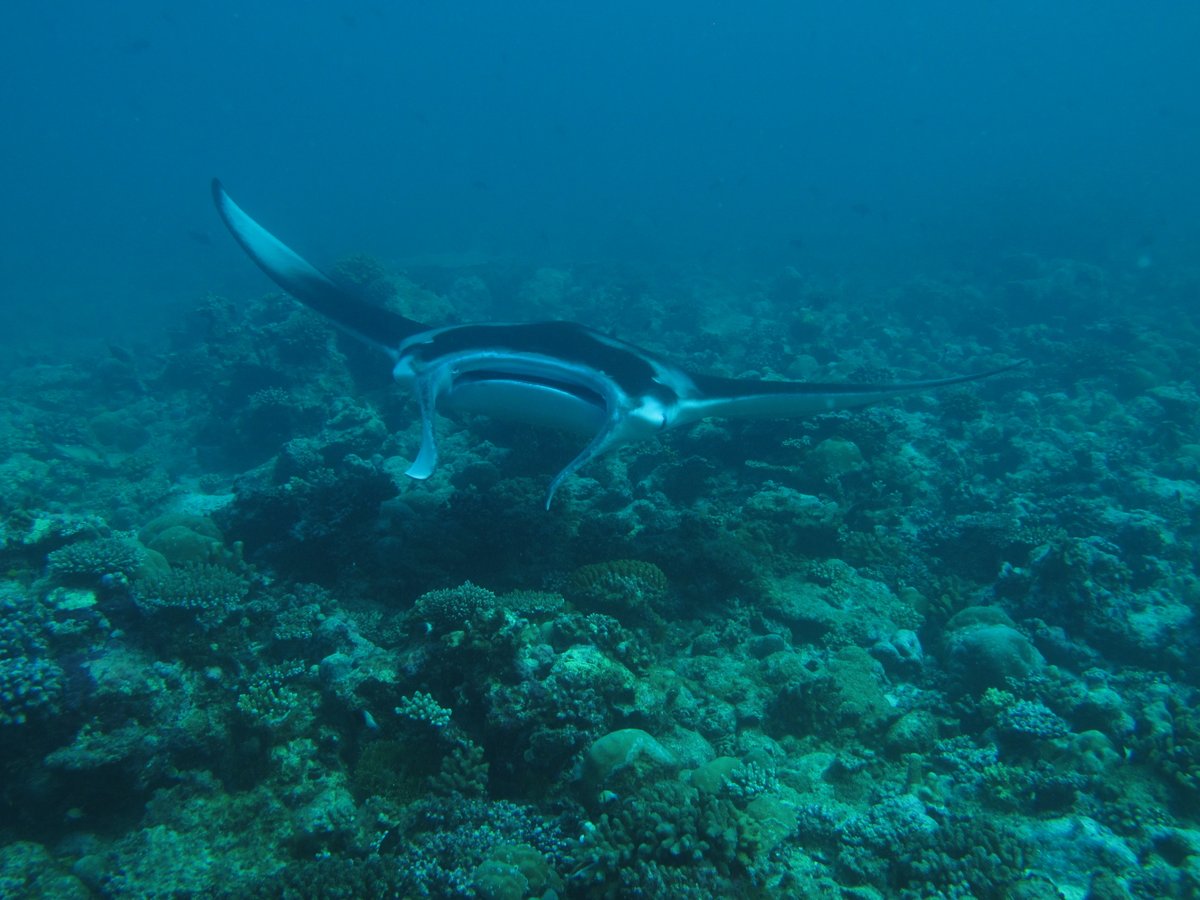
{"points": [[618, 585]]}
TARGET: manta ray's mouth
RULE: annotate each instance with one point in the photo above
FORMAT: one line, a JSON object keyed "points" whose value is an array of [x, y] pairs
{"points": [[483, 376]]}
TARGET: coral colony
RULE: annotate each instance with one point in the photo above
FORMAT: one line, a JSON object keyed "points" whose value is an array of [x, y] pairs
{"points": [[940, 647]]}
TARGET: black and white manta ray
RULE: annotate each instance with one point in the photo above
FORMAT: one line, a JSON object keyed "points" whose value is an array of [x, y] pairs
{"points": [[557, 374]]}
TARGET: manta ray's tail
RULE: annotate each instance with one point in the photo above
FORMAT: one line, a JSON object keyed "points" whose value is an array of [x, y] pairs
{"points": [[308, 284]]}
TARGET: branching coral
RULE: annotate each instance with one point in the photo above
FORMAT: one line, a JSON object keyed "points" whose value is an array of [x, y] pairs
{"points": [[464, 772], [31, 682], [86, 562], [203, 591], [28, 688], [443, 846], [452, 609], [271, 703], [421, 707], [668, 825]]}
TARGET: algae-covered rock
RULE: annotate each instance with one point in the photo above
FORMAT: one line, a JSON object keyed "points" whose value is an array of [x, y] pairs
{"points": [[515, 871], [781, 504], [119, 431], [834, 457], [585, 668], [630, 751], [329, 818], [901, 653], [858, 689], [28, 870], [830, 602], [183, 538], [1067, 850], [846, 694], [775, 818], [913, 732], [690, 748], [710, 777], [984, 648], [1092, 753]]}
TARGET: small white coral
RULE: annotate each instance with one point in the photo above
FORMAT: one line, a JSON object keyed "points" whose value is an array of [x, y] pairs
{"points": [[421, 707]]}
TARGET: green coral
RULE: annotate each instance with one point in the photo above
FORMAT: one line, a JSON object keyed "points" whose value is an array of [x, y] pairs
{"points": [[533, 604], [464, 772], [396, 771], [619, 585], [328, 877]]}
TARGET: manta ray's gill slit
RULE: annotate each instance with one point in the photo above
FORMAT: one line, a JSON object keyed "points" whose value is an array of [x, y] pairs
{"points": [[481, 376]]}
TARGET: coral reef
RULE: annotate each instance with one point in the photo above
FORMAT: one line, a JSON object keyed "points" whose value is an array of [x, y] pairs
{"points": [[942, 647], [90, 561], [205, 592], [629, 586], [28, 687]]}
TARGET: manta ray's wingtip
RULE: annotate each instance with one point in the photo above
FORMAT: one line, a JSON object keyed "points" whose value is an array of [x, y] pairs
{"points": [[226, 209], [1016, 364]]}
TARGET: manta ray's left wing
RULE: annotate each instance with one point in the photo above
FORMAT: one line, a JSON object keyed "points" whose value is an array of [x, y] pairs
{"points": [[311, 286]]}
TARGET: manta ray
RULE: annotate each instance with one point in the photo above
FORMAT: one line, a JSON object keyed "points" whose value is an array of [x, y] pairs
{"points": [[557, 374]]}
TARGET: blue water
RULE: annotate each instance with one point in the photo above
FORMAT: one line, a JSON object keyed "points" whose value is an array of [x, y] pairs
{"points": [[837, 137], [944, 646]]}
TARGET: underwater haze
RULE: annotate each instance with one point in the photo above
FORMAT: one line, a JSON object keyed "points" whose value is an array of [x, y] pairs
{"points": [[833, 137], [856, 345]]}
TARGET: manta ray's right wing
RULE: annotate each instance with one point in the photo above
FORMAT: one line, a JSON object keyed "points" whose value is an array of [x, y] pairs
{"points": [[746, 398]]}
